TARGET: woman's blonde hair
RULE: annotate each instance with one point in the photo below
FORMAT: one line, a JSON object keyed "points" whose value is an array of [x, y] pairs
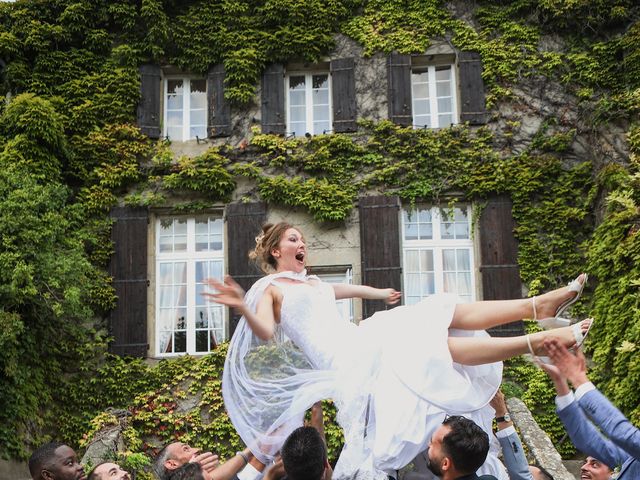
{"points": [[266, 241]]}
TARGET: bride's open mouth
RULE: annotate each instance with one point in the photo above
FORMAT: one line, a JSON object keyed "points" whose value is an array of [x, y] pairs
{"points": [[300, 257]]}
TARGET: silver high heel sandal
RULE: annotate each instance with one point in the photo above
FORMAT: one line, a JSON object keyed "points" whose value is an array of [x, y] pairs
{"points": [[579, 337], [557, 321]]}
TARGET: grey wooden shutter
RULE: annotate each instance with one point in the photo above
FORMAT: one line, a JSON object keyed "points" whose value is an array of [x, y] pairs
{"points": [[244, 223], [399, 89], [499, 259], [380, 246], [128, 267], [472, 105], [273, 119], [150, 95], [343, 95], [218, 109]]}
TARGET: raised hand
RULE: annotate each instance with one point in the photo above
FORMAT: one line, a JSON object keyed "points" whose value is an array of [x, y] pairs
{"points": [[207, 460], [228, 293], [568, 365], [392, 296]]}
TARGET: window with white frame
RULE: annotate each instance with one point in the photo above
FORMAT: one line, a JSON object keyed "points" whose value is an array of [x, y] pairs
{"points": [[341, 275], [437, 252], [308, 103], [188, 251], [185, 108], [433, 93]]}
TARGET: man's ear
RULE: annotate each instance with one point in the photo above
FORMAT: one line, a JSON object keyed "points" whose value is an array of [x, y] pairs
{"points": [[46, 474], [171, 464], [447, 464]]}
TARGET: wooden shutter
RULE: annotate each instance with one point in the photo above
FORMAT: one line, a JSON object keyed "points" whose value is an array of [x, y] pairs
{"points": [[472, 107], [218, 109], [244, 223], [128, 267], [499, 258], [399, 89], [380, 246], [343, 95], [150, 96], [273, 119]]}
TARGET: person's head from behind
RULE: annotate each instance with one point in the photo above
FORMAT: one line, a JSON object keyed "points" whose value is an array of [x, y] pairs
{"points": [[539, 473], [457, 447], [189, 471], [108, 471], [280, 247], [55, 461], [173, 456], [304, 455], [594, 469]]}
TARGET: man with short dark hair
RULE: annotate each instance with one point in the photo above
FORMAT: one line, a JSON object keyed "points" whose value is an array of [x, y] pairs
{"points": [[457, 449], [55, 461], [108, 471], [304, 455]]}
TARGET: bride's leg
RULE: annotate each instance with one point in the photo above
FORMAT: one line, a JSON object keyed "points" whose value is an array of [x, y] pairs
{"points": [[490, 313], [478, 351]]}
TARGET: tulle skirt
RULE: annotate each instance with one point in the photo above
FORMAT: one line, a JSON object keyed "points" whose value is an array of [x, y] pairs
{"points": [[392, 379]]}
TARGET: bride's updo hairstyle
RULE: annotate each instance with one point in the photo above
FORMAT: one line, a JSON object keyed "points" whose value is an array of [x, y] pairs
{"points": [[268, 239]]}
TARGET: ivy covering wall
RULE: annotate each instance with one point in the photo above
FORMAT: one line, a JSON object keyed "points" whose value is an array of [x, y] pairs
{"points": [[69, 151]]}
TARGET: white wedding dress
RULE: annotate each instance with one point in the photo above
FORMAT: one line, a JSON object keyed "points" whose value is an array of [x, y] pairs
{"points": [[391, 377]]}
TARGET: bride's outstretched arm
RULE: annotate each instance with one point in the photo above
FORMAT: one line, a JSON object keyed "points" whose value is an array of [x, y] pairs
{"points": [[229, 293], [343, 290]]}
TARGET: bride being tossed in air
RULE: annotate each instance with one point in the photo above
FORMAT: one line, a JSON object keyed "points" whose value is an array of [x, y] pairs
{"points": [[393, 377]]}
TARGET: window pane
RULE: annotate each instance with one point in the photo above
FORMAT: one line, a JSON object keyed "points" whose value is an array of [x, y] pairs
{"points": [[174, 118], [320, 81], [426, 231], [462, 230], [202, 344], [321, 127], [180, 243], [174, 102], [166, 244], [421, 90], [198, 117], [444, 105], [422, 121], [443, 72], [200, 132], [449, 260], [296, 82], [421, 107], [443, 89], [320, 97], [321, 113], [445, 120], [297, 98], [198, 86], [412, 261], [426, 260], [175, 87], [180, 339], [411, 231], [298, 129], [174, 133], [464, 284], [428, 284], [180, 226], [449, 283], [463, 257], [180, 318], [413, 284], [420, 77], [297, 114]]}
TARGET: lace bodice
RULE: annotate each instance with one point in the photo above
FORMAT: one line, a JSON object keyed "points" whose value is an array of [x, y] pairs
{"points": [[310, 318]]}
